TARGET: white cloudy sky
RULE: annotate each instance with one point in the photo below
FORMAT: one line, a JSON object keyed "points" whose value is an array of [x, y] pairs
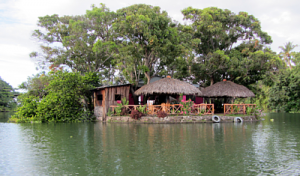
{"points": [[18, 18]]}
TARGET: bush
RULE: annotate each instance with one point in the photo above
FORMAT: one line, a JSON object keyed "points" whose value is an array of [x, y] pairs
{"points": [[284, 96], [161, 114], [186, 105], [135, 114], [66, 100], [142, 109], [120, 110], [28, 107], [123, 112]]}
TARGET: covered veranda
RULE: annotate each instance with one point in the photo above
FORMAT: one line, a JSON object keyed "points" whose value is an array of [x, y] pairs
{"points": [[167, 92], [228, 90], [163, 95]]}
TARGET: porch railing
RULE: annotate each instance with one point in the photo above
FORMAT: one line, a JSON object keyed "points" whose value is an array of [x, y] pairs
{"points": [[238, 108], [169, 109]]}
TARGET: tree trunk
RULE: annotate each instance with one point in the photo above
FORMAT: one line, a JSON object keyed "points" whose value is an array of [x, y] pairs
{"points": [[135, 98], [211, 80], [147, 74], [289, 62]]}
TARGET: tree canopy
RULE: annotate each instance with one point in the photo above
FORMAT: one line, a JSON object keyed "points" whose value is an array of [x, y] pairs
{"points": [[147, 34], [82, 43], [7, 94], [230, 46], [285, 94], [137, 42], [287, 54]]}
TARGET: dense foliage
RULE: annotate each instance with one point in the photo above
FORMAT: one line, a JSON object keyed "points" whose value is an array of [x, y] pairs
{"points": [[67, 98], [137, 42], [135, 114], [161, 114], [7, 93], [285, 94]]}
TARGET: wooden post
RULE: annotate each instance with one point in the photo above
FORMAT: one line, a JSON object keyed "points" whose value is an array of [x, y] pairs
{"points": [[244, 107], [224, 109]]}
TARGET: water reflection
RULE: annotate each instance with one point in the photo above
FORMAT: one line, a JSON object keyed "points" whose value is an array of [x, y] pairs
{"points": [[256, 148], [5, 115]]}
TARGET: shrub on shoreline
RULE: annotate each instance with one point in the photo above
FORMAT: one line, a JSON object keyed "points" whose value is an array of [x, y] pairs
{"points": [[66, 100]]}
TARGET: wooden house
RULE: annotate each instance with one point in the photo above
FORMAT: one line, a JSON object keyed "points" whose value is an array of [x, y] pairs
{"points": [[106, 96]]}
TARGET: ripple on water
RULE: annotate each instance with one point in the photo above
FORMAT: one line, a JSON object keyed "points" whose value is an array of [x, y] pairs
{"points": [[260, 148]]}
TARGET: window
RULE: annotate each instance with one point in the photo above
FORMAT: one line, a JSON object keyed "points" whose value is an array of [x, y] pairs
{"points": [[117, 97], [99, 97]]}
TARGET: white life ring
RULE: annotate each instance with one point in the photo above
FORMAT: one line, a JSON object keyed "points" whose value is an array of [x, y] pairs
{"points": [[215, 119], [238, 119]]}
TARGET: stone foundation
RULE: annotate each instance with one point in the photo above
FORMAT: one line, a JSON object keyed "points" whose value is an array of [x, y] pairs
{"points": [[175, 119], [98, 112]]}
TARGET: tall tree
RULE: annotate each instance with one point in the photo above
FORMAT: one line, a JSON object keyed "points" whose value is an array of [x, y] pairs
{"points": [[287, 53], [218, 31], [83, 43], [180, 67], [148, 34], [251, 61]]}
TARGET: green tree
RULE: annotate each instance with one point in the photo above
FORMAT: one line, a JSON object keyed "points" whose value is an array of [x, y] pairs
{"points": [[218, 31], [83, 43], [251, 61], [7, 94], [287, 54], [66, 97], [180, 67], [36, 84], [212, 67], [65, 100], [285, 94], [147, 34]]}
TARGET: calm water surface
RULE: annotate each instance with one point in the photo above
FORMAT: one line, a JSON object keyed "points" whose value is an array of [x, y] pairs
{"points": [[260, 148]]}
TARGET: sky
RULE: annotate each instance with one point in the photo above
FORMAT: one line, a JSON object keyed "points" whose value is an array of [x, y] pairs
{"points": [[18, 19]]}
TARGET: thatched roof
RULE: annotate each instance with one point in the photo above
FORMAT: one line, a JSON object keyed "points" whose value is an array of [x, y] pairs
{"points": [[168, 86], [227, 89]]}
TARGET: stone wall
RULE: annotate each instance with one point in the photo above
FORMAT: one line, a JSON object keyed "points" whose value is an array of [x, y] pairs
{"points": [[98, 112], [175, 119]]}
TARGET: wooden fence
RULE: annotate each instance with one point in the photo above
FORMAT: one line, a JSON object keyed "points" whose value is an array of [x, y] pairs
{"points": [[238, 108], [169, 109]]}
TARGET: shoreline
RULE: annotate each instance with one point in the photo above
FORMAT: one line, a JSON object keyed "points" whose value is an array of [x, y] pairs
{"points": [[175, 119]]}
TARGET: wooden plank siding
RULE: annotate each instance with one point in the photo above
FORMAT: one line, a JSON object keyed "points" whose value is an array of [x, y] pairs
{"points": [[98, 102], [109, 96]]}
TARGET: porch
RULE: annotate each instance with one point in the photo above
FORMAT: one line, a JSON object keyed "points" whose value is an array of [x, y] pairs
{"points": [[179, 109]]}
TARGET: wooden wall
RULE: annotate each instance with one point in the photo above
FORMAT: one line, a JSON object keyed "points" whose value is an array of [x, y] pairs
{"points": [[199, 100], [97, 102], [110, 95]]}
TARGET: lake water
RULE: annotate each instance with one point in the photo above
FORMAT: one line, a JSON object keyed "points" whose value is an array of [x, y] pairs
{"points": [[258, 148]]}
